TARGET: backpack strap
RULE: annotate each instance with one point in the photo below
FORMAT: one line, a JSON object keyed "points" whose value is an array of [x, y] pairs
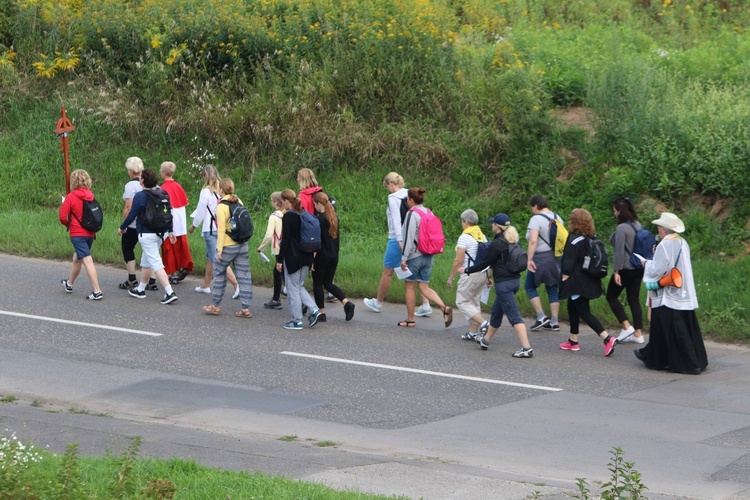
{"points": [[540, 233]]}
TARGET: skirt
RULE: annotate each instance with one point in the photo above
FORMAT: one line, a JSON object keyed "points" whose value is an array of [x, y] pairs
{"points": [[675, 342]]}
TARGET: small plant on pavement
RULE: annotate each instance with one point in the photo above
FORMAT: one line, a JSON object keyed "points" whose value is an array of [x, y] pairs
{"points": [[625, 481]]}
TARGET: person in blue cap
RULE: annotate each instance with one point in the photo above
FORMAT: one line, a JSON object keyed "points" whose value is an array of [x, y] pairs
{"points": [[508, 261]]}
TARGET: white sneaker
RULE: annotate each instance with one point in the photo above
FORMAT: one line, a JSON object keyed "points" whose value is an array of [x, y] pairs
{"points": [[202, 290], [372, 304], [423, 311], [633, 339], [236, 293], [624, 334]]}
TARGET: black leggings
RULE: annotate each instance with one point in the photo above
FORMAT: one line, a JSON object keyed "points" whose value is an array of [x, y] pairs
{"points": [[323, 273], [128, 242], [631, 282], [579, 310]]}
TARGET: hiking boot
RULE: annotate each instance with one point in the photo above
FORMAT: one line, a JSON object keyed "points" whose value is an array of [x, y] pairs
{"points": [[152, 286], [272, 304], [423, 311], [293, 325], [524, 353], [168, 298], [349, 310], [372, 304], [483, 343], [609, 345], [554, 327], [568, 345], [314, 317], [135, 293], [469, 336], [95, 296], [68, 288], [540, 323]]}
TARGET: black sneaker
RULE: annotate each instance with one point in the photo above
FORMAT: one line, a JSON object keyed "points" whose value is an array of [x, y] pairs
{"points": [[68, 288], [152, 286], [330, 297], [304, 310], [554, 327], [349, 310], [135, 293], [540, 323], [95, 296], [314, 317], [168, 298], [322, 318]]}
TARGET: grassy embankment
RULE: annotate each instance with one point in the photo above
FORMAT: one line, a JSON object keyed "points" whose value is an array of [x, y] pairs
{"points": [[458, 98]]}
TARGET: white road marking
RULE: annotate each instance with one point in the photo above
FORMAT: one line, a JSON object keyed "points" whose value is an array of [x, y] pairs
{"points": [[80, 323], [423, 372]]}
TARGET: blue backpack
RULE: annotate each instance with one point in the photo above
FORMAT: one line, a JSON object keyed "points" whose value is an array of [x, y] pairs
{"points": [[309, 233], [644, 246], [482, 249]]}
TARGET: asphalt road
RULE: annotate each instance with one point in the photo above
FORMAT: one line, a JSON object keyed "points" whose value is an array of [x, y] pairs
{"points": [[415, 411]]}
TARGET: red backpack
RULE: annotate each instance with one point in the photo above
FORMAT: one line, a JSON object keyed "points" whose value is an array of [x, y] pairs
{"points": [[430, 240]]}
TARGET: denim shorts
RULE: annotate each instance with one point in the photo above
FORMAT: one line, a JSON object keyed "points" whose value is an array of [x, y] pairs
{"points": [[211, 241], [82, 245], [392, 257], [421, 268]]}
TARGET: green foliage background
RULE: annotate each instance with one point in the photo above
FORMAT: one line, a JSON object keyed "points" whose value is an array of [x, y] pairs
{"points": [[463, 97]]}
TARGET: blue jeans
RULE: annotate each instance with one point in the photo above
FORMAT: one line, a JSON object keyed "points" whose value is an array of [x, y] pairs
{"points": [[505, 303], [421, 268]]}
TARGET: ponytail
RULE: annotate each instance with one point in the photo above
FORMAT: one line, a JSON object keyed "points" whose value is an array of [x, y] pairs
{"points": [[333, 221], [291, 197], [227, 187]]}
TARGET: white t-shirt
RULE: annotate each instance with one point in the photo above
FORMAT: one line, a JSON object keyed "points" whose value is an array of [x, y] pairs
{"points": [[541, 224], [132, 187], [468, 242]]}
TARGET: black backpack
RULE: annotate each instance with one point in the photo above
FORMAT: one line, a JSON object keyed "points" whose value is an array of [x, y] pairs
{"points": [[404, 208], [517, 259], [93, 217], [240, 225], [157, 216], [596, 262]]}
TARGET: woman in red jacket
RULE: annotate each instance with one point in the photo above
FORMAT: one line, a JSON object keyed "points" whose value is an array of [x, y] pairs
{"points": [[70, 215]]}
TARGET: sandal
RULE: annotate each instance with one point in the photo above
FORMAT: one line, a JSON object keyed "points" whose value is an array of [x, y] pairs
{"points": [[212, 310], [406, 323], [127, 284], [173, 280], [244, 313], [448, 316]]}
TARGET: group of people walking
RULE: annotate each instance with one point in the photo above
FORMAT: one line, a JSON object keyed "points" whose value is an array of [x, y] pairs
{"points": [[675, 338]]}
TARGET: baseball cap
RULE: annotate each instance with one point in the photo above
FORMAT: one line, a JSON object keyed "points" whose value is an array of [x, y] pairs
{"points": [[500, 219]]}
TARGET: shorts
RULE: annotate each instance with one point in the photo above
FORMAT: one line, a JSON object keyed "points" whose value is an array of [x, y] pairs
{"points": [[421, 268], [82, 245], [211, 241], [392, 257], [150, 244]]}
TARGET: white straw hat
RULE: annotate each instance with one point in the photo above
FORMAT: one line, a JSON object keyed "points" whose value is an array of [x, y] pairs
{"points": [[670, 221]]}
